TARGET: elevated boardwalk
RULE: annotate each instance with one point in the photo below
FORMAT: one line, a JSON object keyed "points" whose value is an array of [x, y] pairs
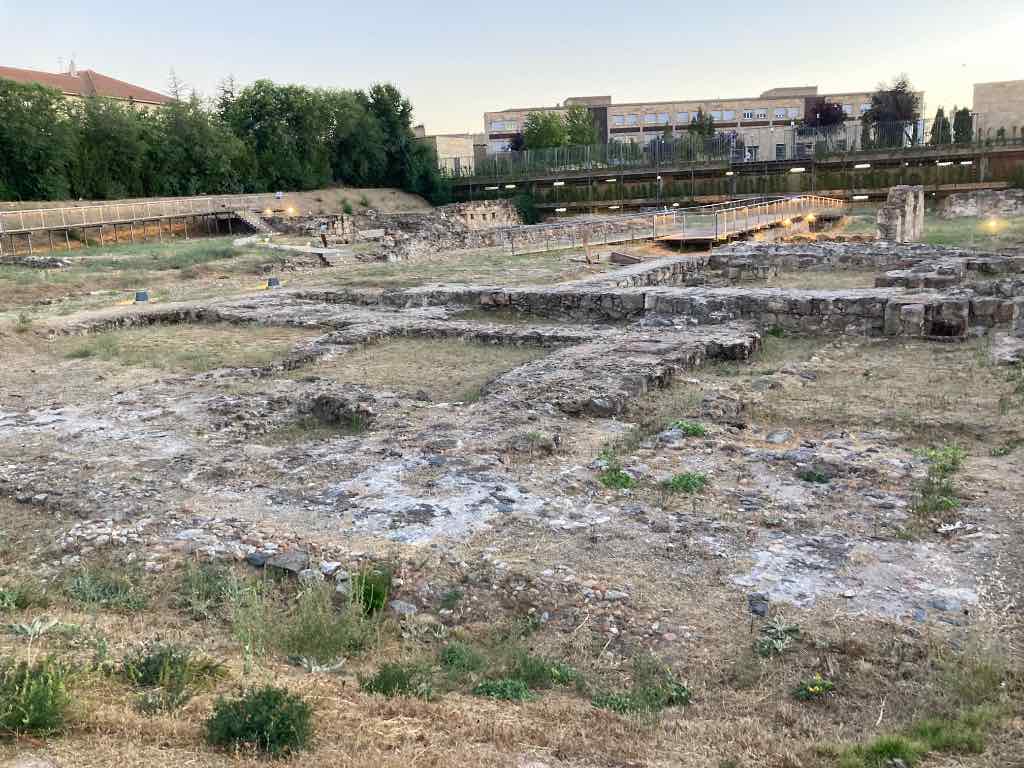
{"points": [[24, 227], [702, 224]]}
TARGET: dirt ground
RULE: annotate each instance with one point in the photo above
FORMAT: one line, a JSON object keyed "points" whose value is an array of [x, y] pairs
{"points": [[757, 563]]}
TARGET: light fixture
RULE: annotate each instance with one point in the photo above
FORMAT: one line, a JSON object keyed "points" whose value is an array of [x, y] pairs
{"points": [[862, 166], [659, 178], [797, 170], [559, 210], [860, 197], [510, 186], [943, 163], [610, 181], [268, 212], [489, 189], [675, 205], [966, 162], [811, 218], [729, 173], [558, 184], [787, 223], [613, 207], [291, 211]]}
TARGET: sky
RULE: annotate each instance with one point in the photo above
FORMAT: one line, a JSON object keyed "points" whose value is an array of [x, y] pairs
{"points": [[456, 60]]}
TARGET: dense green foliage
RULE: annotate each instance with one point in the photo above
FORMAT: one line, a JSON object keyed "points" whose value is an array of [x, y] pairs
{"points": [[33, 697], [267, 719], [264, 137], [579, 126], [544, 129]]}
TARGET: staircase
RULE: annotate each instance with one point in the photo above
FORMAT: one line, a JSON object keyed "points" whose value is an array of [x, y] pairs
{"points": [[255, 221]]}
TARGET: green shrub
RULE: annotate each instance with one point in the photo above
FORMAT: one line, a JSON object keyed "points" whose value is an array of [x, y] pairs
{"points": [[538, 672], [690, 428], [171, 670], [813, 476], [33, 698], [654, 688], [399, 680], [946, 460], [460, 660], [450, 599], [204, 589], [268, 719], [318, 632], [346, 206], [107, 586], [686, 482], [882, 752], [364, 201], [816, 687], [22, 595], [504, 689], [371, 588], [613, 476]]}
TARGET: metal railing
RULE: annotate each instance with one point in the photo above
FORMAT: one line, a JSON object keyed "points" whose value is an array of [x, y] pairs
{"points": [[705, 223], [73, 217], [659, 148]]}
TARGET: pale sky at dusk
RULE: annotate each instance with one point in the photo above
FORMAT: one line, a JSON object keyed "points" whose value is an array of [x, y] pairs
{"points": [[457, 59]]}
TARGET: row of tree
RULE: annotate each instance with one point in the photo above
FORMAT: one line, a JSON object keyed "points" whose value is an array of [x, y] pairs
{"points": [[263, 137]]}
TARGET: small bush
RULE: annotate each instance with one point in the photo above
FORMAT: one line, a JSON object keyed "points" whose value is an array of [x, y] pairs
{"points": [[946, 460], [654, 688], [690, 428], [364, 201], [268, 719], [776, 638], [346, 206], [815, 688], [537, 672], [687, 482], [107, 586], [399, 680], [883, 751], [460, 660], [450, 599], [813, 476], [504, 689], [315, 631], [170, 669], [371, 588], [24, 323], [204, 589], [22, 595], [613, 476], [33, 698]]}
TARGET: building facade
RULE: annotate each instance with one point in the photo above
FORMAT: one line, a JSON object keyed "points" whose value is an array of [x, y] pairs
{"points": [[1000, 107], [643, 122], [81, 84]]}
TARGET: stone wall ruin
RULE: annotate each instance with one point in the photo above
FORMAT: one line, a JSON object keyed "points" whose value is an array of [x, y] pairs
{"points": [[901, 218]]}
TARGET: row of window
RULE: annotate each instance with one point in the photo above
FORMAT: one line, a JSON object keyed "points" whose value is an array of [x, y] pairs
{"points": [[498, 126]]}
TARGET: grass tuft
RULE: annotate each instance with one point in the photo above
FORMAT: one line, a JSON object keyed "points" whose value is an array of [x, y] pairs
{"points": [[686, 482], [399, 680], [105, 585], [654, 688], [33, 697], [318, 632], [689, 428], [170, 672], [504, 689]]}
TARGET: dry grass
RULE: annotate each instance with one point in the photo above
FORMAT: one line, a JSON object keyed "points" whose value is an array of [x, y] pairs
{"points": [[446, 369], [192, 348]]}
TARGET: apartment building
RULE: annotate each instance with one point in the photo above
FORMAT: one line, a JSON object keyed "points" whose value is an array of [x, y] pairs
{"points": [[82, 83], [643, 122], [999, 107]]}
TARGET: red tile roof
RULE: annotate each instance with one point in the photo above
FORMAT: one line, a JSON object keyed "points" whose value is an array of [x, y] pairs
{"points": [[86, 83]]}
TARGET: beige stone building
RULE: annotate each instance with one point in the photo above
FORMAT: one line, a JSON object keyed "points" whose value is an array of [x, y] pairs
{"points": [[1000, 106], [80, 84], [456, 152], [643, 122]]}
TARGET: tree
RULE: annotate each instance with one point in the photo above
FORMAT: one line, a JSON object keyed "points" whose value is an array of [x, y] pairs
{"points": [[894, 103], [824, 114], [702, 124], [544, 129], [941, 132], [579, 126], [37, 140], [963, 126]]}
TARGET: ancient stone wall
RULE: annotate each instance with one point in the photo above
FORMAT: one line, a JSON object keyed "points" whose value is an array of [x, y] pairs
{"points": [[986, 202], [483, 214], [901, 218]]}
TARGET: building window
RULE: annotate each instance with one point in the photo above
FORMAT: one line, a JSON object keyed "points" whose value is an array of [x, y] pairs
{"points": [[748, 114], [649, 118], [619, 119], [683, 117], [751, 154], [780, 151], [847, 109], [780, 112], [663, 118], [761, 113], [502, 125], [632, 119], [865, 108], [793, 112], [716, 115], [728, 115]]}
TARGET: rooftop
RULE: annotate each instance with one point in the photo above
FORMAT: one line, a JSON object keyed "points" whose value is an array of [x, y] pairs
{"points": [[85, 82]]}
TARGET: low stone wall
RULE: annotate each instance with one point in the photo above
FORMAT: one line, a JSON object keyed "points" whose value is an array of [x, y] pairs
{"points": [[986, 202], [901, 218], [672, 270], [827, 255], [483, 214]]}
